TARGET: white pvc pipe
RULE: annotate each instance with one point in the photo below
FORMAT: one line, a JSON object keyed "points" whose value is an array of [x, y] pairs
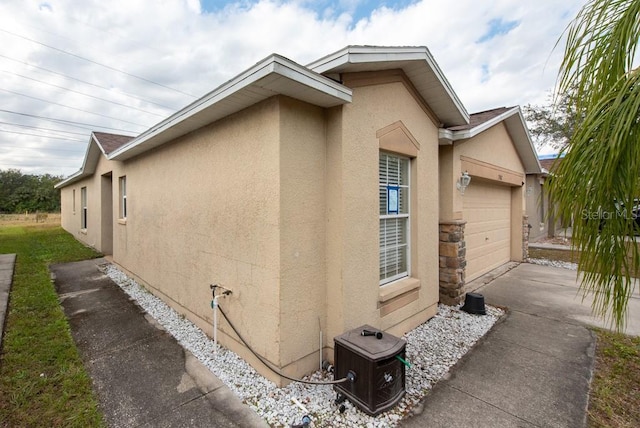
{"points": [[320, 350], [215, 324], [299, 404]]}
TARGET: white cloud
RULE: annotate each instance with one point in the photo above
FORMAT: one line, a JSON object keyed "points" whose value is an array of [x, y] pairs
{"points": [[175, 43]]}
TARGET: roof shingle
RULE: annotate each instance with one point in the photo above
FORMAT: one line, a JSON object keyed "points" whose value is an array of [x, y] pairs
{"points": [[477, 119], [111, 142]]}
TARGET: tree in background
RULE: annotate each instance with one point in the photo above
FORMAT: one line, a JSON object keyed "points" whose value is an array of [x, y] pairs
{"points": [[597, 182], [552, 124], [24, 192]]}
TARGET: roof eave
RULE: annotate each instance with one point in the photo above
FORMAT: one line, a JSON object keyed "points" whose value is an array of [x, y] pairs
{"points": [[69, 180], [261, 81], [89, 163], [517, 128], [452, 113]]}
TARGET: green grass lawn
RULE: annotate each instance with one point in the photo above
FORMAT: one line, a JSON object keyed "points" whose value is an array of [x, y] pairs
{"points": [[615, 388], [42, 379]]}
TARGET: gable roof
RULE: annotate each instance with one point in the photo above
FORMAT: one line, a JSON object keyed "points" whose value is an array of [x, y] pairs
{"points": [[314, 84], [418, 65], [110, 142], [516, 127], [477, 119], [100, 143]]}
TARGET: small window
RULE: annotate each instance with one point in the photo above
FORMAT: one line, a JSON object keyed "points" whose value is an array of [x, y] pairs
{"points": [[541, 203], [73, 203], [83, 202], [394, 217], [123, 197]]}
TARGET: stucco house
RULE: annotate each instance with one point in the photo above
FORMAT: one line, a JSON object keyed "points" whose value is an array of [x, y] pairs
{"points": [[537, 202], [324, 196], [544, 222]]}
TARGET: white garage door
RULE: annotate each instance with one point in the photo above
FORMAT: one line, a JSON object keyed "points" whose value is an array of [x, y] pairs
{"points": [[487, 210]]}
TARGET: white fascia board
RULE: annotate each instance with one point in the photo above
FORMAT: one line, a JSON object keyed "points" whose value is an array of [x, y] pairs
{"points": [[524, 144], [95, 139], [445, 84], [70, 179], [272, 64], [463, 134], [88, 163], [369, 54], [311, 79], [363, 54]]}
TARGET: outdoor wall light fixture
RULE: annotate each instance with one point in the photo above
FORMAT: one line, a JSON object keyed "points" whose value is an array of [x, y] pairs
{"points": [[463, 182]]}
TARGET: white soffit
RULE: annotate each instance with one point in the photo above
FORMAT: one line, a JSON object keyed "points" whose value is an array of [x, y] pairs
{"points": [[416, 62], [272, 76]]}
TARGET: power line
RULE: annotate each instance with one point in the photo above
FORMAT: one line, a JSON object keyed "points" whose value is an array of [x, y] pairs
{"points": [[97, 63], [45, 149], [42, 136], [80, 125], [84, 94], [73, 108], [88, 83], [42, 129]]}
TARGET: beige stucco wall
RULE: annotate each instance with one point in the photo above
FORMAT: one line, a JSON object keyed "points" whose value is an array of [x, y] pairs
{"points": [[533, 200], [205, 210], [280, 204], [493, 146], [450, 206], [353, 296], [102, 187], [489, 156], [302, 234]]}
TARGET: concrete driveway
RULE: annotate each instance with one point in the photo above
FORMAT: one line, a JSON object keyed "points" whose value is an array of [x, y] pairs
{"points": [[552, 293], [534, 368]]}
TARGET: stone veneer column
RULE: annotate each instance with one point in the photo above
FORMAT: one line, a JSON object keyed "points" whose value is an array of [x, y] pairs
{"points": [[452, 262], [525, 237]]}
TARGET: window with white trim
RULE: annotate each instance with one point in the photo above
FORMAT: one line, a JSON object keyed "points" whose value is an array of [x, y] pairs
{"points": [[123, 197], [394, 217], [83, 208]]}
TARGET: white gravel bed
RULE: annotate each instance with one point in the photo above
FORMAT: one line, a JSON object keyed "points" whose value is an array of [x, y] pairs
{"points": [[432, 348], [554, 263]]}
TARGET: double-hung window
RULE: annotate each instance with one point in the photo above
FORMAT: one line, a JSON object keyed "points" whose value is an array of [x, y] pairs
{"points": [[394, 217], [123, 197], [83, 208]]}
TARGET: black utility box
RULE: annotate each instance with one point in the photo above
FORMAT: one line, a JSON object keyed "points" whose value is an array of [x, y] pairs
{"points": [[379, 373]]}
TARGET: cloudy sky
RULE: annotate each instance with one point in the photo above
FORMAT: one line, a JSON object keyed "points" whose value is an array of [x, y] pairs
{"points": [[68, 67]]}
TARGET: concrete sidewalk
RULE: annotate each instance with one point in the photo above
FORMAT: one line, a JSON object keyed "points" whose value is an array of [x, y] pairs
{"points": [[7, 263], [534, 368], [141, 375]]}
